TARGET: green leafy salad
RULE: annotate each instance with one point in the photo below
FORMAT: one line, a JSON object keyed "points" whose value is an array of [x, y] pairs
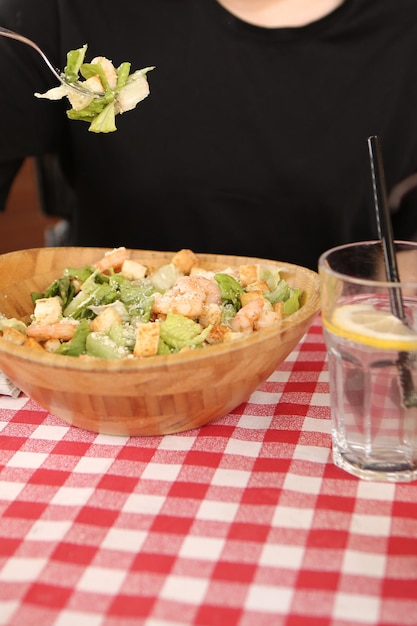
{"points": [[106, 90], [120, 308]]}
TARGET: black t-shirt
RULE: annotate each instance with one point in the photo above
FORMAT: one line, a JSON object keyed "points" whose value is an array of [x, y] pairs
{"points": [[253, 140]]}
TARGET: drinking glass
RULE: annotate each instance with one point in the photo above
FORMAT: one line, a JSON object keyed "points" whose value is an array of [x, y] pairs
{"points": [[372, 359]]}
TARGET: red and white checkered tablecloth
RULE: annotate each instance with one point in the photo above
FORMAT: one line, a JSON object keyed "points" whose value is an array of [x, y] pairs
{"points": [[243, 522]]}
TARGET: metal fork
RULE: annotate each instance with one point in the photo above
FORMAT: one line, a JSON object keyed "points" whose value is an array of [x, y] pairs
{"points": [[5, 32]]}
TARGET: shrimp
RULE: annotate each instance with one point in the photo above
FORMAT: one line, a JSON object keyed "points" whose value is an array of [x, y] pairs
{"points": [[247, 317], [114, 258], [267, 318], [110, 73], [61, 330], [188, 297], [210, 287]]}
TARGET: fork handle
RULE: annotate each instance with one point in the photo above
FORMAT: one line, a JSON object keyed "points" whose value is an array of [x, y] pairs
{"points": [[5, 32]]}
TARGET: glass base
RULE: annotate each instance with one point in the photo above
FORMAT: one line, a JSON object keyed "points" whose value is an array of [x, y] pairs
{"points": [[377, 469]]}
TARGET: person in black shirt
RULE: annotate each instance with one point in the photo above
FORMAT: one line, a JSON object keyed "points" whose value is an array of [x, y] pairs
{"points": [[253, 139]]}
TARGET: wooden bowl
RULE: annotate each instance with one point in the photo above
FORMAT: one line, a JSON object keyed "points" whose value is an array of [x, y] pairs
{"points": [[151, 396]]}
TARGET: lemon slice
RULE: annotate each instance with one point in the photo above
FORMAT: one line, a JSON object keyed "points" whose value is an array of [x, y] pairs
{"points": [[376, 328]]}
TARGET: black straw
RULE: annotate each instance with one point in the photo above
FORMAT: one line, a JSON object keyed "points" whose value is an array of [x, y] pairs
{"points": [[385, 233], [384, 225]]}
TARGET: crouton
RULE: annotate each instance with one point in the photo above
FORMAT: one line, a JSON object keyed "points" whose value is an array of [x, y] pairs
{"points": [[48, 310], [258, 285], [13, 335], [248, 296], [278, 307], [104, 320], [52, 345], [211, 314], [223, 334], [147, 339], [217, 334], [33, 344], [133, 270], [184, 260], [248, 274]]}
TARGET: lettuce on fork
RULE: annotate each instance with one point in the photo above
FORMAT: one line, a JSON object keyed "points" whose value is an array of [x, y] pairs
{"points": [[113, 90]]}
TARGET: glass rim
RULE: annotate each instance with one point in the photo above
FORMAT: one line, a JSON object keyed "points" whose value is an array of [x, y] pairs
{"points": [[325, 267]]}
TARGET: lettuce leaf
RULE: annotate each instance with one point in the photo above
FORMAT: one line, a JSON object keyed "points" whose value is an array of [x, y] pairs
{"points": [[75, 58], [77, 345], [230, 289], [179, 332]]}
